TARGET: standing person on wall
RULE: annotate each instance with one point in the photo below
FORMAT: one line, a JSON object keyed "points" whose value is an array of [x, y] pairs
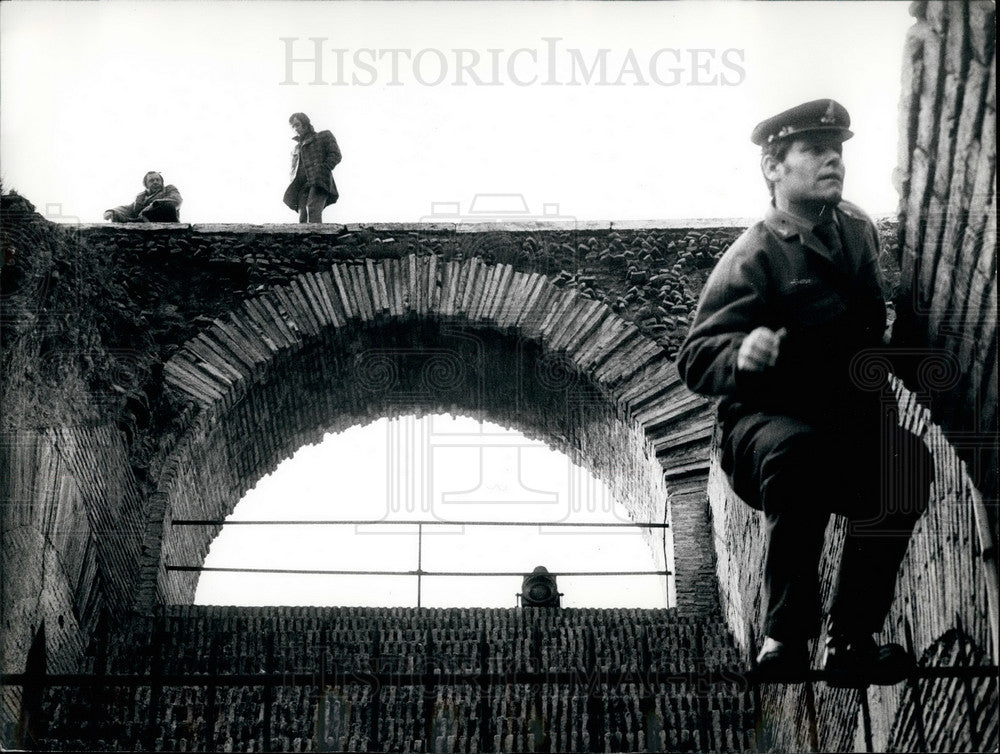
{"points": [[312, 187], [789, 325]]}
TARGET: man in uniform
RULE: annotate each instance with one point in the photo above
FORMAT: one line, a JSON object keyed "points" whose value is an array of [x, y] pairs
{"points": [[789, 332]]}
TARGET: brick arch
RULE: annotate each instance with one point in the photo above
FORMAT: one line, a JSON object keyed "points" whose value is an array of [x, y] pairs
{"points": [[357, 342]]}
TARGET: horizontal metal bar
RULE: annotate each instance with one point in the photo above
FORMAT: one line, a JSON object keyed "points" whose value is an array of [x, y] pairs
{"points": [[385, 522], [349, 677], [338, 676], [310, 572], [926, 673]]}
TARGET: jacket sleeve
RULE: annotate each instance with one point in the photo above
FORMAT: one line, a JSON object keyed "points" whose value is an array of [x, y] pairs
{"points": [[172, 195], [869, 273], [169, 195], [127, 213], [123, 214], [331, 151], [733, 302]]}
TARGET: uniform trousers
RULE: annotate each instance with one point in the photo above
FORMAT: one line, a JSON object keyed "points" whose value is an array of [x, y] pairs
{"points": [[875, 473]]}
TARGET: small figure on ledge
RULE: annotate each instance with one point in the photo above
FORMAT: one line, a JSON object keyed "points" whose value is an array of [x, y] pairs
{"points": [[312, 188], [157, 204]]}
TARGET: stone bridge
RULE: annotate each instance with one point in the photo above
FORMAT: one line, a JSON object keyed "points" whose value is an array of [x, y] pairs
{"points": [[219, 351]]}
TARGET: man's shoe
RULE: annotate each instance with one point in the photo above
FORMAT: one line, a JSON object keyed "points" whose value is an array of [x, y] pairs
{"points": [[859, 661], [780, 662]]}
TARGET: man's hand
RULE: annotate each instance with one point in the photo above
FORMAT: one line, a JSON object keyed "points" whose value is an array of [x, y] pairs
{"points": [[759, 349], [109, 215]]}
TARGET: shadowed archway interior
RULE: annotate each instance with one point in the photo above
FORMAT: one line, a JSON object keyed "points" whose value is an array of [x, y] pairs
{"points": [[553, 367]]}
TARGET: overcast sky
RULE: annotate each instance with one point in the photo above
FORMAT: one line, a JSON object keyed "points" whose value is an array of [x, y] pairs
{"points": [[612, 111], [439, 469]]}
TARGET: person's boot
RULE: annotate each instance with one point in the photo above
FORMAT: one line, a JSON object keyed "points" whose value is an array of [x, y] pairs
{"points": [[782, 662], [854, 660]]}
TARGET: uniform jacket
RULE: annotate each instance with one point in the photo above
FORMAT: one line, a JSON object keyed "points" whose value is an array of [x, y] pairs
{"points": [[778, 274], [315, 156]]}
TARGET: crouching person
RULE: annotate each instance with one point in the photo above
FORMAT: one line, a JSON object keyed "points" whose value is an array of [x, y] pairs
{"points": [[781, 333], [156, 204]]}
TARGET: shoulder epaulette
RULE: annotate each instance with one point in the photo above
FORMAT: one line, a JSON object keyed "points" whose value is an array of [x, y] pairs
{"points": [[854, 211]]}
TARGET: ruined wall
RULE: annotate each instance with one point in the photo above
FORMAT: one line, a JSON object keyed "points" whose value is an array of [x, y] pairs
{"points": [[947, 182], [451, 681], [940, 604], [91, 315], [127, 300], [423, 334], [69, 525]]}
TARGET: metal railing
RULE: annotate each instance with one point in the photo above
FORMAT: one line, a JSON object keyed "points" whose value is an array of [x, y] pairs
{"points": [[419, 572], [960, 671], [332, 673], [647, 682]]}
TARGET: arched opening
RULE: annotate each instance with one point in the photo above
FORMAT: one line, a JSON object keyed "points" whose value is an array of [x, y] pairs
{"points": [[559, 368], [435, 469]]}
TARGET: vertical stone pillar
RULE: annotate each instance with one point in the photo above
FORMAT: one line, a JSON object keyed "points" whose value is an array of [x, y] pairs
{"points": [[695, 578], [947, 182]]}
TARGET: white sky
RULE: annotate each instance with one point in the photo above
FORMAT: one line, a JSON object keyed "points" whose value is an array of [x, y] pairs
{"points": [[436, 468], [96, 94]]}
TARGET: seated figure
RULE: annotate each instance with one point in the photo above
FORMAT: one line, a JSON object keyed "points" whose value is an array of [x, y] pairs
{"points": [[157, 204]]}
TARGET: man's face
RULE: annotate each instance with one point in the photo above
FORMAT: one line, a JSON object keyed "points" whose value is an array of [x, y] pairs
{"points": [[812, 171], [154, 182], [298, 126]]}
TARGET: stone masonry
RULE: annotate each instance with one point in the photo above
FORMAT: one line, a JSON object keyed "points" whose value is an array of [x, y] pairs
{"points": [[156, 372]]}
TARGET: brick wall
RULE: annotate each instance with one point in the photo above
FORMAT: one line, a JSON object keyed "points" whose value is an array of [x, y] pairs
{"points": [[947, 181], [940, 602], [143, 451], [448, 711], [214, 467], [361, 341]]}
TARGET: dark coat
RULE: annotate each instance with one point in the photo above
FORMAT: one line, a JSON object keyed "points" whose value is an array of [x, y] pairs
{"points": [[162, 206], [313, 160], [778, 274]]}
